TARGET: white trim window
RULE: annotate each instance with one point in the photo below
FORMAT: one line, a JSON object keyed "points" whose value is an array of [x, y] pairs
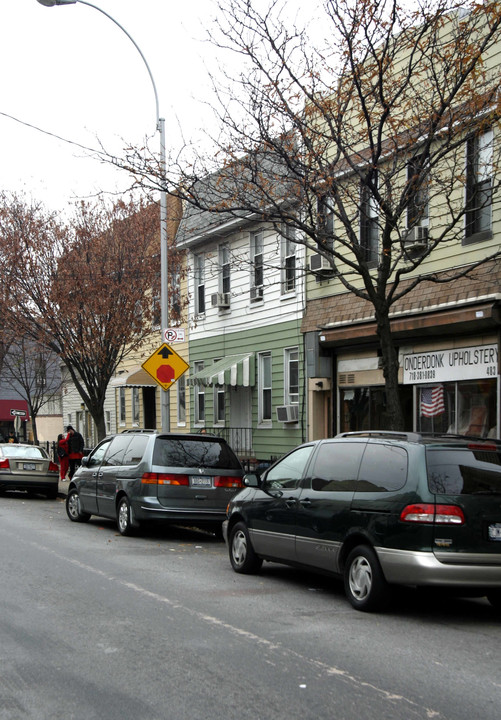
{"points": [[135, 407], [265, 388], [107, 419], [479, 150], [369, 225], [199, 396], [289, 263], [257, 264], [225, 269], [417, 210], [219, 402], [199, 275], [325, 222], [291, 376], [121, 406], [181, 401]]}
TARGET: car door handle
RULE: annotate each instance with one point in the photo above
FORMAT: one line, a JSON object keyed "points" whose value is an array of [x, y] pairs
{"points": [[291, 502], [306, 502], [97, 474]]}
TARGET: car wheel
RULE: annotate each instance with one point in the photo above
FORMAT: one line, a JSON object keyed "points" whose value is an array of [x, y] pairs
{"points": [[364, 582], [73, 507], [242, 556], [494, 597], [124, 520]]}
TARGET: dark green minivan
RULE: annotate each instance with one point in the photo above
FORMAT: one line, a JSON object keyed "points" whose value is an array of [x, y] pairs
{"points": [[379, 509]]}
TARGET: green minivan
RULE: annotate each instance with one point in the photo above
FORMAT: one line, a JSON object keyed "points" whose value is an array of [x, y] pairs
{"points": [[379, 509]]}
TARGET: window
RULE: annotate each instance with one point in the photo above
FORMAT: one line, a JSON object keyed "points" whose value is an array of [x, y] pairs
{"points": [[135, 450], [175, 298], [291, 362], [121, 405], [135, 406], [224, 264], [325, 221], [383, 468], [107, 420], [288, 259], [479, 185], [368, 225], [336, 467], [364, 408], [288, 472], [465, 408], [417, 210], [264, 369], [116, 453], [199, 396], [156, 311], [219, 402], [257, 259], [199, 261], [181, 401]]}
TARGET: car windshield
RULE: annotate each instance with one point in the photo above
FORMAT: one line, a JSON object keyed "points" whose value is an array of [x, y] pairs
{"points": [[23, 451], [206, 453], [464, 471]]}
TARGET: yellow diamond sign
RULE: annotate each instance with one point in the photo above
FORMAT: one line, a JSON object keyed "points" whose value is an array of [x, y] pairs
{"points": [[165, 366]]}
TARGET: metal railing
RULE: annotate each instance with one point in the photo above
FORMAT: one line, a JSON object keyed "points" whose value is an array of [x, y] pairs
{"points": [[239, 439]]}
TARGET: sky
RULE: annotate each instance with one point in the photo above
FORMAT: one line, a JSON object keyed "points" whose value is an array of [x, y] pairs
{"points": [[71, 77]]}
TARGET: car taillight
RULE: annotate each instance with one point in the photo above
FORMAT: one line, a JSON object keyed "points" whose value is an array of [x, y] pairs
{"points": [[4, 464], [53, 467], [228, 481], [430, 513], [164, 479]]}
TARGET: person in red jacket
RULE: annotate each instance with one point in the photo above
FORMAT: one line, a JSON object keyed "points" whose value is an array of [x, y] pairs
{"points": [[75, 449], [62, 453]]}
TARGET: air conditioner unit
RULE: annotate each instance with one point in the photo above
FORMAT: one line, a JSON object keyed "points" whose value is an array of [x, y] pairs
{"points": [[220, 300], [320, 265], [256, 293], [288, 413], [417, 238]]}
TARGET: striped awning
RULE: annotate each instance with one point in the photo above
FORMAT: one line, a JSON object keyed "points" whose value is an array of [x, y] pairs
{"points": [[135, 377], [231, 370]]}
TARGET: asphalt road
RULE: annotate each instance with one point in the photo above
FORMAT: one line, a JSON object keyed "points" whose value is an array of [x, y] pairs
{"points": [[158, 627]]}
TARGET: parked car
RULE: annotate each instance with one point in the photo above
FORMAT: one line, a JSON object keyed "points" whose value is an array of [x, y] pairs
{"points": [[379, 509], [28, 467], [143, 476]]}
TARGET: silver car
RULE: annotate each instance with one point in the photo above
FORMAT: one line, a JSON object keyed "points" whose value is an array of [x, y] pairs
{"points": [[28, 467], [140, 476]]}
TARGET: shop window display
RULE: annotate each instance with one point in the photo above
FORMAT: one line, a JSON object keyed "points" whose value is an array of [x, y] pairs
{"points": [[463, 408]]}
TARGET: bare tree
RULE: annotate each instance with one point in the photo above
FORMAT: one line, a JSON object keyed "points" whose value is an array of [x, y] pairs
{"points": [[353, 140], [33, 371], [85, 290]]}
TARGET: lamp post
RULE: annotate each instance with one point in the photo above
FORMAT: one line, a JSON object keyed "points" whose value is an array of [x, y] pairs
{"points": [[160, 126]]}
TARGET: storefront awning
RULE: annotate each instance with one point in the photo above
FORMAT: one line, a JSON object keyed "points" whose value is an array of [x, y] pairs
{"points": [[10, 409], [231, 370], [135, 377]]}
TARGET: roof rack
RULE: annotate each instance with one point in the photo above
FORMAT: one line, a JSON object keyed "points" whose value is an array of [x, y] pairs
{"points": [[389, 434]]}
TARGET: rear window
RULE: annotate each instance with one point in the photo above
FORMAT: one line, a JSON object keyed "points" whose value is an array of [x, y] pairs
{"points": [[464, 471], [194, 454]]}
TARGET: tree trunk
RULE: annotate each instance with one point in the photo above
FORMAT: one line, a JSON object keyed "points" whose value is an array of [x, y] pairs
{"points": [[394, 419]]}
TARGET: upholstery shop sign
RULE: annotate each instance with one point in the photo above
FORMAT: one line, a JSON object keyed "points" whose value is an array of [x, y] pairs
{"points": [[470, 363]]}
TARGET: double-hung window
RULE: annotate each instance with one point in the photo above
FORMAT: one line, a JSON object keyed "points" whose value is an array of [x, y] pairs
{"points": [[291, 372], [417, 210], [199, 262], [121, 406], [135, 406], [225, 269], [199, 396], [219, 402], [264, 370], [325, 222], [289, 270], [479, 186], [368, 225], [181, 401], [256, 280]]}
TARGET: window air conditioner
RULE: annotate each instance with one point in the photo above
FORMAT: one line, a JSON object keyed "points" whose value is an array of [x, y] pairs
{"points": [[256, 293], [417, 238], [220, 300], [288, 413], [319, 265]]}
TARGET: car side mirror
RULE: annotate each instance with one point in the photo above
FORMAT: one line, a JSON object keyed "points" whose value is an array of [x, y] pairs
{"points": [[85, 461], [251, 480]]}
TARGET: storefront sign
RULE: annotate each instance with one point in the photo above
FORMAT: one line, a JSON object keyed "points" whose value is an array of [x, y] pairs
{"points": [[469, 363]]}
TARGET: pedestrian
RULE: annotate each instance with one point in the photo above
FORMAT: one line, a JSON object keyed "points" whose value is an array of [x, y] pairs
{"points": [[12, 437], [75, 449], [62, 453]]}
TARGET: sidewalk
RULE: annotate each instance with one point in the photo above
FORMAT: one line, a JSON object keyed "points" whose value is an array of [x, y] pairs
{"points": [[63, 488]]}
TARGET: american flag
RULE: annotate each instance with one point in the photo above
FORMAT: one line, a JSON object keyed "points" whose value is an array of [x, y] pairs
{"points": [[432, 401]]}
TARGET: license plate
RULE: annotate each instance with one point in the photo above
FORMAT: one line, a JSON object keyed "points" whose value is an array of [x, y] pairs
{"points": [[201, 481], [29, 466], [495, 532]]}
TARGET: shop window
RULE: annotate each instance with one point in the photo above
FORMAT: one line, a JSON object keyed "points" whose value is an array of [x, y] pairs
{"points": [[459, 408], [364, 408]]}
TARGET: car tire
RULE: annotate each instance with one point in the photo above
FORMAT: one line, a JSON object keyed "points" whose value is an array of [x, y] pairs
{"points": [[364, 582], [494, 597], [73, 507], [124, 517], [242, 556]]}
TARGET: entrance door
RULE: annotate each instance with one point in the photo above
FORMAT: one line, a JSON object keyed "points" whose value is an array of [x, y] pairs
{"points": [[240, 438], [149, 408]]}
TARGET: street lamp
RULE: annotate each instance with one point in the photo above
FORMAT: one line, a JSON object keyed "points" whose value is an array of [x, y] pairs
{"points": [[160, 126]]}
